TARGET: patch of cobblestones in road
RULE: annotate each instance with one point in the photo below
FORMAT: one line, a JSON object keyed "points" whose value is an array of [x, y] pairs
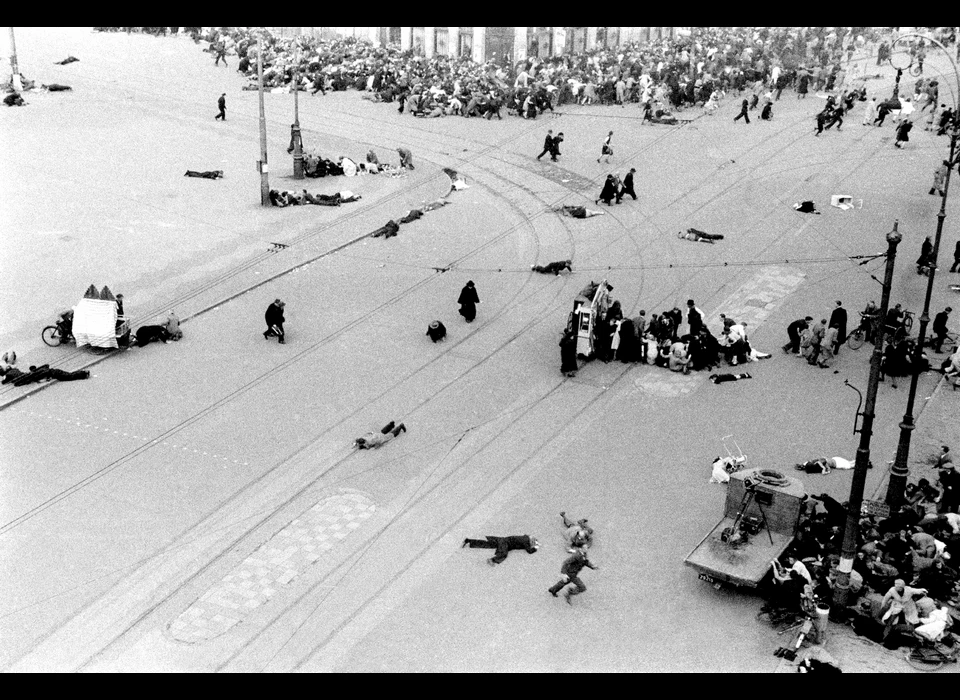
{"points": [[756, 298], [91, 424], [659, 382], [574, 181], [273, 565], [751, 303]]}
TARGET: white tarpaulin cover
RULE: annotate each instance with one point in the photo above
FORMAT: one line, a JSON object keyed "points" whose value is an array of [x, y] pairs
{"points": [[95, 323]]}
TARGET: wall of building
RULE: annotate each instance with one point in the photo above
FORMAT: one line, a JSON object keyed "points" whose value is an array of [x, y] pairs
{"points": [[499, 43]]}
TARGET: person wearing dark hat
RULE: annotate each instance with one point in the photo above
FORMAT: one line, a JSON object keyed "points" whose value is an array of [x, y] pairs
{"points": [[628, 185], [274, 318], [694, 318], [468, 301], [940, 329], [503, 545], [838, 318], [222, 106], [437, 331]]}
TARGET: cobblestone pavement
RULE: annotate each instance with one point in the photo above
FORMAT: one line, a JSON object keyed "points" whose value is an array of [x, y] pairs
{"points": [[271, 567]]}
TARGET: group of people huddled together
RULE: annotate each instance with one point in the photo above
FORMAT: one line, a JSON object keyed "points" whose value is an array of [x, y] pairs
{"points": [[904, 581], [659, 75], [674, 340]]}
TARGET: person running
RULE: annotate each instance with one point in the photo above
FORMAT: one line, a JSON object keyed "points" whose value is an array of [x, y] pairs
{"points": [[222, 106], [903, 132], [555, 149], [743, 112], [274, 318], [606, 150], [570, 573], [221, 50], [547, 145]]}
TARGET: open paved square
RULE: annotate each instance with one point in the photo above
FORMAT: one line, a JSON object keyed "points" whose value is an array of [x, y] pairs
{"points": [[199, 506]]}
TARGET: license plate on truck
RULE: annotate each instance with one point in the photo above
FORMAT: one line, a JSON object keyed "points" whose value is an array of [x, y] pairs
{"points": [[708, 579]]}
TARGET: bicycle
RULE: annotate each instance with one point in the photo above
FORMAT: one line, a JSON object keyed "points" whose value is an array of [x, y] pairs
{"points": [[902, 331], [930, 656], [860, 334], [55, 336]]}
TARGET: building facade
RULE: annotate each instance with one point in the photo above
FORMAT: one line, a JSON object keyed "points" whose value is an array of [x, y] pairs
{"points": [[498, 43]]}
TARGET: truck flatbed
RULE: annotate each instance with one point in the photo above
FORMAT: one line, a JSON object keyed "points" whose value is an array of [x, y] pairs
{"points": [[745, 565]]}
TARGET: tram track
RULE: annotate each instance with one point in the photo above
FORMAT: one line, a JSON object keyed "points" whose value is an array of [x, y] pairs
{"points": [[499, 314]]}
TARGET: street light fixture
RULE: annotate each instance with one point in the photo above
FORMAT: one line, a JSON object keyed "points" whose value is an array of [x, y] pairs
{"points": [[899, 472], [295, 129], [848, 550]]}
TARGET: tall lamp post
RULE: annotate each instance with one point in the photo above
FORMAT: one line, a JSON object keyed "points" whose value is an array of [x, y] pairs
{"points": [[264, 169], [848, 550], [295, 129], [899, 472], [14, 67]]}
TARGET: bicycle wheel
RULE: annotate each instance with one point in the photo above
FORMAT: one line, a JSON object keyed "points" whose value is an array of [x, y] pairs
{"points": [[51, 336], [856, 339], [923, 661], [907, 324]]}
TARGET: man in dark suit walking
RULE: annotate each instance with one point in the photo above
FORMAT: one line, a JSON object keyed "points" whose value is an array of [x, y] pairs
{"points": [[222, 105], [547, 144], [628, 185]]}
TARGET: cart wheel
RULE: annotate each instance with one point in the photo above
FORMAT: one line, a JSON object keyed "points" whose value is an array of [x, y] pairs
{"points": [[51, 336]]}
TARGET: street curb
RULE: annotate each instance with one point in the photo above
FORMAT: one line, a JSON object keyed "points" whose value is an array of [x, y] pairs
{"points": [[230, 297]]}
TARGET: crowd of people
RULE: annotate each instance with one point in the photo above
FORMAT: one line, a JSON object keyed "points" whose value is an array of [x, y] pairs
{"points": [[677, 340], [904, 580], [661, 76]]}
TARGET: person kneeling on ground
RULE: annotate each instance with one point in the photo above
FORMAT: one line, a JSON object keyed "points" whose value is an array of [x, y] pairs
{"points": [[172, 326], [503, 545], [386, 434], [148, 334], [437, 331]]}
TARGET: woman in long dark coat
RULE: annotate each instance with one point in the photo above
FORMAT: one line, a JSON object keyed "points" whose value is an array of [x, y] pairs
{"points": [[468, 301], [627, 351], [568, 354], [608, 192]]}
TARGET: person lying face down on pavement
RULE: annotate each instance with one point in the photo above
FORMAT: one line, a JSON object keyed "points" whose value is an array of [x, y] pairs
{"points": [[503, 545]]}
